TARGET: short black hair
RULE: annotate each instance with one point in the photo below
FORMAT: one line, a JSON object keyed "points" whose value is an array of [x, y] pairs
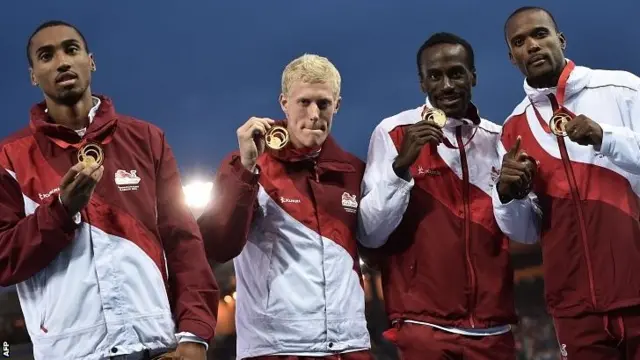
{"points": [[52, 23], [525, 9], [445, 38]]}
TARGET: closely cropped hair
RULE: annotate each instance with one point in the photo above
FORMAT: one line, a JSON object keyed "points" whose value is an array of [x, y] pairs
{"points": [[525, 9], [446, 38], [48, 24], [312, 69]]}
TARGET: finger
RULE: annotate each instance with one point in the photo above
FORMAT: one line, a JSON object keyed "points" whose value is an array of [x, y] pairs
{"points": [[519, 173], [515, 148], [429, 139], [510, 179], [71, 174], [97, 175], [258, 129], [430, 131], [424, 124], [83, 180], [570, 125], [514, 164], [248, 125], [522, 157], [266, 122]]}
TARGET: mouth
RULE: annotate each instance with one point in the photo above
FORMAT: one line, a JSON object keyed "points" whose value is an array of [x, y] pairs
{"points": [[537, 60], [316, 129], [450, 100], [66, 78]]}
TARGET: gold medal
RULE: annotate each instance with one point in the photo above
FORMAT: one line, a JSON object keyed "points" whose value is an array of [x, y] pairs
{"points": [[558, 122], [90, 154], [436, 116], [277, 137]]}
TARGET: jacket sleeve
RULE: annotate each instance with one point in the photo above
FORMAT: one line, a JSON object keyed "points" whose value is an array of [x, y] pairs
{"points": [[385, 196], [518, 219], [226, 222], [193, 289], [621, 144], [29, 243]]}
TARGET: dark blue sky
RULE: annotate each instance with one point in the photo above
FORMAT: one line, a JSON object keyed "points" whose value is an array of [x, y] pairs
{"points": [[200, 69]]}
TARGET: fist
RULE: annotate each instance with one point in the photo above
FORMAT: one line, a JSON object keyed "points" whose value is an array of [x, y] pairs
{"points": [[251, 141], [584, 131], [416, 136], [516, 175]]}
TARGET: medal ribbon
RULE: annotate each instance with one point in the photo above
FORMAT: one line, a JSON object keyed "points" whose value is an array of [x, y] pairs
{"points": [[446, 141], [557, 102]]}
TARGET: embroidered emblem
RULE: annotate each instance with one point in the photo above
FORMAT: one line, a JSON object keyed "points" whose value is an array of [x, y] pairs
{"points": [[127, 180], [349, 202]]}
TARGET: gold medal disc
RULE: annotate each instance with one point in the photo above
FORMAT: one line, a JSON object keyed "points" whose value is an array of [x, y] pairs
{"points": [[558, 122], [435, 116], [91, 153], [277, 137]]}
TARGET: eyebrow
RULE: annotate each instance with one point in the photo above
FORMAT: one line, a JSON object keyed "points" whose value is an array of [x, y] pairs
{"points": [[50, 47], [537, 28]]}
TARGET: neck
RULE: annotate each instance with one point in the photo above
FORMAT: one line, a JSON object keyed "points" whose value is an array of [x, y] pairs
{"points": [[75, 116]]}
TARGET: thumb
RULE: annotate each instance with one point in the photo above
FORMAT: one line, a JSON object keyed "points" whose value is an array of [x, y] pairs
{"points": [[71, 175], [515, 148]]}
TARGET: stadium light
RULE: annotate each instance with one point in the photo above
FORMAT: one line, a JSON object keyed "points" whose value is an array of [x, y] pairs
{"points": [[198, 193]]}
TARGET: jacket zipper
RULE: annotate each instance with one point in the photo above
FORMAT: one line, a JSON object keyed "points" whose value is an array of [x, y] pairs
{"points": [[564, 155], [467, 224], [316, 177]]}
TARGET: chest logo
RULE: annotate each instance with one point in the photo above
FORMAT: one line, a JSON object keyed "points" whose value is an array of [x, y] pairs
{"points": [[349, 202], [127, 180]]}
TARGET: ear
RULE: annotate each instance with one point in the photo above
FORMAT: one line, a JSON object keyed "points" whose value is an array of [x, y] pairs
{"points": [[92, 62], [474, 78], [563, 41], [32, 77], [511, 59], [283, 103], [338, 103], [423, 86]]}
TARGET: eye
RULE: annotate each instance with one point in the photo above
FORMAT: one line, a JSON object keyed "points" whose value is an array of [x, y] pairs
{"points": [[323, 104], [45, 56], [73, 49], [540, 33], [518, 42], [433, 76], [457, 74]]}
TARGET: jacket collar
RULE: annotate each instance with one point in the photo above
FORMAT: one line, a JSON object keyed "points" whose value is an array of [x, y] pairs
{"points": [[578, 78], [471, 118], [329, 156], [100, 130]]}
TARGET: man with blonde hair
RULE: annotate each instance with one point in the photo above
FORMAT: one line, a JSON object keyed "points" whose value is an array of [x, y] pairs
{"points": [[286, 213]]}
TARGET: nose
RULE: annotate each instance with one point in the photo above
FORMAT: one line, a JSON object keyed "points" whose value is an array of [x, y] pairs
{"points": [[64, 64], [532, 46], [447, 85], [314, 112]]}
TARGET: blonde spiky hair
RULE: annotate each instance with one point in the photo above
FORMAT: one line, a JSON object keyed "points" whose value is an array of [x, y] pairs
{"points": [[312, 69]]}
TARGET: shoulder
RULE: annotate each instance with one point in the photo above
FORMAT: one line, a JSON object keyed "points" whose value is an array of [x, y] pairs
{"points": [[15, 146], [612, 78], [138, 126], [355, 161], [490, 126], [403, 118]]}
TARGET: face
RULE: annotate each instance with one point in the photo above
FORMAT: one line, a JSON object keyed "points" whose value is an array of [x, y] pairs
{"points": [[309, 109], [535, 46], [61, 65], [447, 78]]}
